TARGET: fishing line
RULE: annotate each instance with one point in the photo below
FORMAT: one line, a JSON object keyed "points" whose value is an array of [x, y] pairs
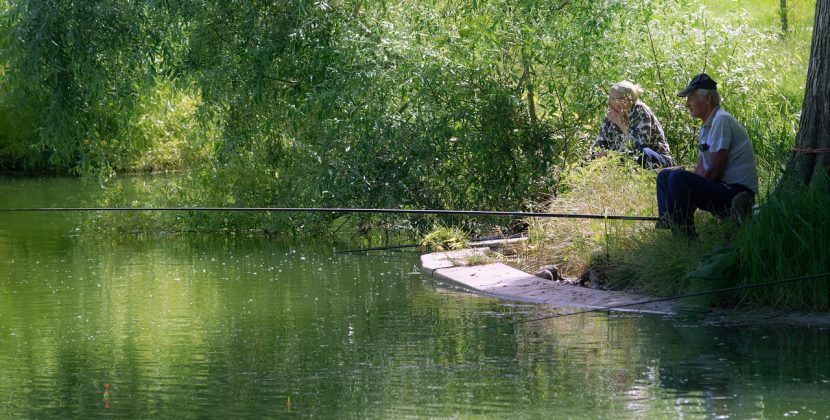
{"points": [[628, 305], [336, 210]]}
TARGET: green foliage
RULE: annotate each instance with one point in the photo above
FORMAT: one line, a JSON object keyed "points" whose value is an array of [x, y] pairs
{"points": [[458, 105], [654, 261], [416, 106], [447, 104], [74, 71], [789, 237], [164, 131], [444, 238], [479, 259]]}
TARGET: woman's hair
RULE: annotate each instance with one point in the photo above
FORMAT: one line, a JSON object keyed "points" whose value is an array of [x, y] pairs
{"points": [[628, 89]]}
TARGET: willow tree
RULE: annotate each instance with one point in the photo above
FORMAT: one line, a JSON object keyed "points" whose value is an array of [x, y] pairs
{"points": [[349, 103], [73, 71], [812, 152]]}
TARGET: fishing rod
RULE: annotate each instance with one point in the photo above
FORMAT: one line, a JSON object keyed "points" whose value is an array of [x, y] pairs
{"points": [[337, 210], [396, 248], [665, 299], [400, 248]]}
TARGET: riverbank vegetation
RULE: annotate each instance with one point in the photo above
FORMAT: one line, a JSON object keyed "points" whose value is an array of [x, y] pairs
{"points": [[395, 104], [786, 238]]}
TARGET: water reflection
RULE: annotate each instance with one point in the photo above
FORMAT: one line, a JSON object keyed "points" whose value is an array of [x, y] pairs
{"points": [[206, 326]]}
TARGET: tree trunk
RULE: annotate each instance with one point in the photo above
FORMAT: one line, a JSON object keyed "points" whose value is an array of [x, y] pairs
{"points": [[785, 25], [812, 151]]}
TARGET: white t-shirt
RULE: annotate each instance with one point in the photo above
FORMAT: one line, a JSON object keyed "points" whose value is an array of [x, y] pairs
{"points": [[723, 131]]}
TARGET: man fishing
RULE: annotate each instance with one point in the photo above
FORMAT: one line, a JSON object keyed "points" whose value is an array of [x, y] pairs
{"points": [[725, 177]]}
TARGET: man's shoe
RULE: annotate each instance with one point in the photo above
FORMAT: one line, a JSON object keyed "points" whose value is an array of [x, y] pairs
{"points": [[741, 208]]}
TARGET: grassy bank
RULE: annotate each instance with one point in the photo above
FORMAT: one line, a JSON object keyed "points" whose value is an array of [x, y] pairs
{"points": [[787, 238], [625, 254]]}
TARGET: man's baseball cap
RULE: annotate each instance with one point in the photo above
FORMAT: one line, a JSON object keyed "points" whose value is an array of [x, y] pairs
{"points": [[701, 81]]}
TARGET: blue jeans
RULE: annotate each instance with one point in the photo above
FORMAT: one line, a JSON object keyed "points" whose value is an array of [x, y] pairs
{"points": [[680, 193]]}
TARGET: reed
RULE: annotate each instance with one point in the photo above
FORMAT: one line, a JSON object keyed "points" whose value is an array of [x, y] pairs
{"points": [[789, 237]]}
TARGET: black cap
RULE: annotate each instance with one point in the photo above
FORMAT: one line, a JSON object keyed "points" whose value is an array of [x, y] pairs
{"points": [[701, 81]]}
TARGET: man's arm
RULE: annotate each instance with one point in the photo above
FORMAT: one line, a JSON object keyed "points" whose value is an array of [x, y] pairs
{"points": [[717, 164]]}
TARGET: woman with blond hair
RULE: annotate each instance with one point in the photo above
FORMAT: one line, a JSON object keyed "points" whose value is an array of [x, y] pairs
{"points": [[630, 127]]}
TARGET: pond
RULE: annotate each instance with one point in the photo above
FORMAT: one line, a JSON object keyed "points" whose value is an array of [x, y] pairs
{"points": [[250, 327]]}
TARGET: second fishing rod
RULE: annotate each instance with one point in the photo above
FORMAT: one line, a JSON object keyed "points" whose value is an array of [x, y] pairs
{"points": [[518, 214]]}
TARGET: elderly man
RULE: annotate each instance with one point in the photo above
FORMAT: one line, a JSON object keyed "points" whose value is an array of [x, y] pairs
{"points": [[725, 179]]}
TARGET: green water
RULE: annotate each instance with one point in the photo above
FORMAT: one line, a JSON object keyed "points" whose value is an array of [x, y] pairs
{"points": [[224, 327]]}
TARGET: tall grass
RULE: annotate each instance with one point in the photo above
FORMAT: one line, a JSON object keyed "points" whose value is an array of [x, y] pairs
{"points": [[626, 254], [789, 237]]}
